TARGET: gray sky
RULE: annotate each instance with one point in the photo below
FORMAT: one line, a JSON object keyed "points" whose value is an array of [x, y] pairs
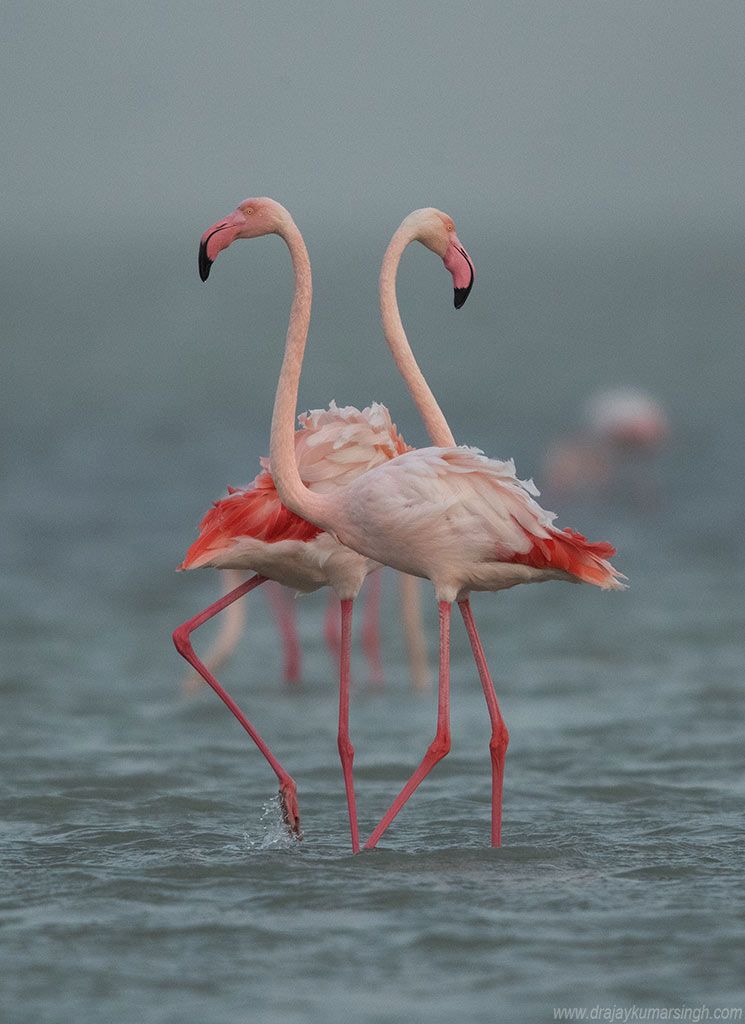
{"points": [[553, 113]]}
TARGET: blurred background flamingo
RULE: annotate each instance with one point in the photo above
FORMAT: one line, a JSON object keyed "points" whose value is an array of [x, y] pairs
{"points": [[622, 430]]}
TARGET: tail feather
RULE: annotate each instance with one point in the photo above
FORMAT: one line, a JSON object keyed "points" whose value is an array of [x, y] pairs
{"points": [[572, 553]]}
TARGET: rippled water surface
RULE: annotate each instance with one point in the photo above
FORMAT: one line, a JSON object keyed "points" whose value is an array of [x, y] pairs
{"points": [[145, 874]]}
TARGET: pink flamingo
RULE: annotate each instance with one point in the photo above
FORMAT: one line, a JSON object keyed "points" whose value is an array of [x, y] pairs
{"points": [[627, 417], [447, 514], [621, 426], [251, 529], [232, 623]]}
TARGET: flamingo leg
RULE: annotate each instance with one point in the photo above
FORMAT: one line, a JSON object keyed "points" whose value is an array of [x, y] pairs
{"points": [[371, 628], [283, 607], [346, 750], [226, 641], [499, 735], [331, 627], [440, 745], [181, 638]]}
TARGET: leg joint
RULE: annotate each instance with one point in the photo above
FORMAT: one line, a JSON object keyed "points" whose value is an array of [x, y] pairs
{"points": [[346, 750], [182, 641], [440, 745], [500, 738]]}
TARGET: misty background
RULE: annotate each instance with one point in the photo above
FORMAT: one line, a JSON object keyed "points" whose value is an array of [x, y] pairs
{"points": [[590, 153]]}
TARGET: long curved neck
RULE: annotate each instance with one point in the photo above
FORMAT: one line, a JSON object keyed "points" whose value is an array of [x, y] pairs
{"points": [[291, 489], [437, 426]]}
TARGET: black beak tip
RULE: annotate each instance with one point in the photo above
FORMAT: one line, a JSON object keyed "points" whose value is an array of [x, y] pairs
{"points": [[461, 294], [205, 263]]}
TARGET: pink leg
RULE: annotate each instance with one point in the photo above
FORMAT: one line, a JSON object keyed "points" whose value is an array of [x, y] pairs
{"points": [[346, 750], [228, 636], [331, 627], [287, 787], [499, 735], [282, 604], [371, 628], [440, 746]]}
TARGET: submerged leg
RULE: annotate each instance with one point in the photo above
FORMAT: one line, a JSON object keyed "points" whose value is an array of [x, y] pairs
{"points": [[499, 735], [371, 628], [228, 635], [346, 750], [440, 745], [181, 638], [282, 604]]}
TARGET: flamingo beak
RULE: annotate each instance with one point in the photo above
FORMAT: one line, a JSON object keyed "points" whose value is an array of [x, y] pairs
{"points": [[460, 265], [217, 238]]}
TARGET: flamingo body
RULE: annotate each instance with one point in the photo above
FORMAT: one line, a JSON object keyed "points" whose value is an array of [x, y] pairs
{"points": [[251, 529], [465, 522], [627, 417]]}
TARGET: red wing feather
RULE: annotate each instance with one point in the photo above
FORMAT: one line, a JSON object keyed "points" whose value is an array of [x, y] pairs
{"points": [[570, 552], [255, 512]]}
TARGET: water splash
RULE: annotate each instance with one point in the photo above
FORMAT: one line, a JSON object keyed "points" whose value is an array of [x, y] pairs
{"points": [[271, 832]]}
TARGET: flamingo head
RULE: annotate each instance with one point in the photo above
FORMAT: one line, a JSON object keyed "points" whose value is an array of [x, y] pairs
{"points": [[437, 231], [252, 219]]}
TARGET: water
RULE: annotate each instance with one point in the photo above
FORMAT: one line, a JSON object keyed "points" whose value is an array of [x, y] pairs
{"points": [[145, 875]]}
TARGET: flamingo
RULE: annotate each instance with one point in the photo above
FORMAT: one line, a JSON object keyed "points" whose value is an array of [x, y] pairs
{"points": [[627, 416], [251, 529], [621, 425], [448, 514], [232, 623]]}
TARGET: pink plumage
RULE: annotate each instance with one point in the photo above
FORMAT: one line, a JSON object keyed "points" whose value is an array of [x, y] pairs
{"points": [[627, 417], [332, 447], [253, 511], [468, 523]]}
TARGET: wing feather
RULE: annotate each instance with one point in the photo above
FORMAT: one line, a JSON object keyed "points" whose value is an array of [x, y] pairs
{"points": [[332, 447], [462, 490]]}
